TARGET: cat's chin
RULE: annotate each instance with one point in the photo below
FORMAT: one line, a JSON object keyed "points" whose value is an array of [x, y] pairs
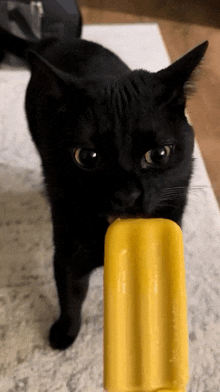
{"points": [[112, 218]]}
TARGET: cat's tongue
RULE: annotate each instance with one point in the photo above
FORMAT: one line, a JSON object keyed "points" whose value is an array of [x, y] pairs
{"points": [[111, 219]]}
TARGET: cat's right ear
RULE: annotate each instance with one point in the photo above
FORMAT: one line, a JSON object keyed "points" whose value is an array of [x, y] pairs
{"points": [[50, 80], [182, 73]]}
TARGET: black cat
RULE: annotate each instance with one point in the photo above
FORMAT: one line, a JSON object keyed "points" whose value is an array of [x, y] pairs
{"points": [[113, 143]]}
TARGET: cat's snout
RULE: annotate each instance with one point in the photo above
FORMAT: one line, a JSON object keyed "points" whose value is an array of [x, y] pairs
{"points": [[125, 199]]}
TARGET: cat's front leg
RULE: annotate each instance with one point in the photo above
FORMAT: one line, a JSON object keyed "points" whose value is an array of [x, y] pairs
{"points": [[79, 249], [77, 253], [71, 293]]}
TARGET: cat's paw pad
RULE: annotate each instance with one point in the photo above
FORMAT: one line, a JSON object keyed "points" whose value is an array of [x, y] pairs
{"points": [[58, 336]]}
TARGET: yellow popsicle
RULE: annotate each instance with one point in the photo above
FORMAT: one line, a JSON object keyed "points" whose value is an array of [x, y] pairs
{"points": [[145, 309]]}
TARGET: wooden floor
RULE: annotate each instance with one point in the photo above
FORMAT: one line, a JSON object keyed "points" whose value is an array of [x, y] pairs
{"points": [[183, 25]]}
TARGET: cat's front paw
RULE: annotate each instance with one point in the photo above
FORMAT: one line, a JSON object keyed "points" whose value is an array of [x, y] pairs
{"points": [[62, 335]]}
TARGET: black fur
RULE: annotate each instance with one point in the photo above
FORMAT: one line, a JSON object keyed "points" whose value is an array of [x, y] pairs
{"points": [[82, 96]]}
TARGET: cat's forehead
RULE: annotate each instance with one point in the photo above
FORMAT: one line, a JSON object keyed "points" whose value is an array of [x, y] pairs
{"points": [[139, 97], [129, 111], [133, 106], [133, 88], [136, 126]]}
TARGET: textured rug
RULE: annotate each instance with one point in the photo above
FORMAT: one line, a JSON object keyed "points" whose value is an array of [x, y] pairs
{"points": [[28, 306]]}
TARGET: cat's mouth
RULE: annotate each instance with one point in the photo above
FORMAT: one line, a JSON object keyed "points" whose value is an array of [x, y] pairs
{"points": [[112, 218]]}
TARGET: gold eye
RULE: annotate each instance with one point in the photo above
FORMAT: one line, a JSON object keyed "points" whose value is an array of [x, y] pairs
{"points": [[77, 155], [86, 158], [157, 156]]}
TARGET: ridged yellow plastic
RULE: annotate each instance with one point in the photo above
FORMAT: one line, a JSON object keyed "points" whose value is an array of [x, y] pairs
{"points": [[145, 309]]}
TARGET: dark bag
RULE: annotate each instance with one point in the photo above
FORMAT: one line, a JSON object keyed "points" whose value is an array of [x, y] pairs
{"points": [[41, 19]]}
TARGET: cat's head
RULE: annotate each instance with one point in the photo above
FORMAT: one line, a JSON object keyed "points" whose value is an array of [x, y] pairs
{"points": [[116, 146]]}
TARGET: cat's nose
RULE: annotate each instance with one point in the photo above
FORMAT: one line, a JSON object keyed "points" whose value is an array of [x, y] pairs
{"points": [[126, 199]]}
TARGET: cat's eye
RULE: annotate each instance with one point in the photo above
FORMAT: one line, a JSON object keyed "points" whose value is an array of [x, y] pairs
{"points": [[157, 156], [86, 158]]}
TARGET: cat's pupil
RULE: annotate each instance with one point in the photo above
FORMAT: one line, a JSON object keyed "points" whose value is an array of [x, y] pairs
{"points": [[158, 155], [86, 157]]}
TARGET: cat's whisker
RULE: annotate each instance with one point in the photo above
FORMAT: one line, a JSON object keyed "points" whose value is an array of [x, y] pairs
{"points": [[174, 190], [176, 187], [169, 200], [198, 187], [171, 196], [195, 190], [165, 203]]}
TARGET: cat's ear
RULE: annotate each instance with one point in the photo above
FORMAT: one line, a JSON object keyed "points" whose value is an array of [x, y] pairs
{"points": [[181, 74], [51, 79]]}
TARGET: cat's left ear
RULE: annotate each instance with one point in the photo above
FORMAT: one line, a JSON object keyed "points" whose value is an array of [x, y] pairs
{"points": [[181, 73], [50, 80]]}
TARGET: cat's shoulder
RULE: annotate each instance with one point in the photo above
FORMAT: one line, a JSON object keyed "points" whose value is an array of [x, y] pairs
{"points": [[84, 55]]}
